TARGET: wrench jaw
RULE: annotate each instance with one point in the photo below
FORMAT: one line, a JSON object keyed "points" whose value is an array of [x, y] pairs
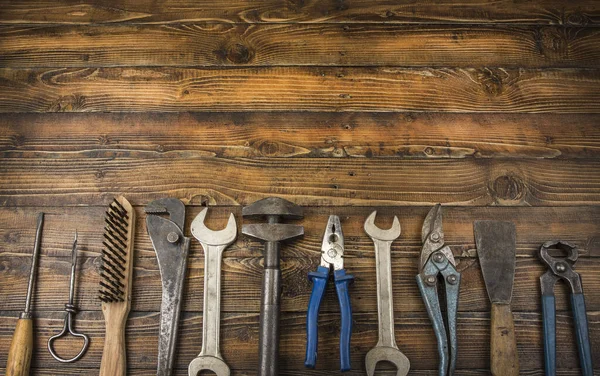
{"points": [[208, 363], [207, 236], [375, 232], [387, 354]]}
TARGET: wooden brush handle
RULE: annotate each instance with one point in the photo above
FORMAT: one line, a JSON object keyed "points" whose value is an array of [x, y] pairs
{"points": [[504, 356], [114, 358], [21, 347]]}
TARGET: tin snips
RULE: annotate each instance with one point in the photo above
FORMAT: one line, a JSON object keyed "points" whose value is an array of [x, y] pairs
{"points": [[436, 265], [172, 248]]}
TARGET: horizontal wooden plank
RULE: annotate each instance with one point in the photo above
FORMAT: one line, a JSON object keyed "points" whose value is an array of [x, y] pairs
{"points": [[75, 371], [94, 178], [300, 89], [241, 285], [217, 44], [297, 134], [242, 268], [239, 339], [534, 225], [542, 12]]}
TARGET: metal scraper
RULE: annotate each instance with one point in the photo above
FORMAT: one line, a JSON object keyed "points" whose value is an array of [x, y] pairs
{"points": [[496, 244]]}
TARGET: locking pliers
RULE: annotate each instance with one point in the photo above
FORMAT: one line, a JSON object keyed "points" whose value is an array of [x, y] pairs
{"points": [[332, 255], [437, 260], [562, 268]]}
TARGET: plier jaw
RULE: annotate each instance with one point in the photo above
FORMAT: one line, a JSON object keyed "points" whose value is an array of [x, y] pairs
{"points": [[562, 268], [438, 261], [332, 254], [332, 248]]}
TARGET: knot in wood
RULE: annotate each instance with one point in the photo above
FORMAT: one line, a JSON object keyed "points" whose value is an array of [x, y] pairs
{"points": [[508, 187], [551, 41], [239, 54], [490, 81], [268, 148]]}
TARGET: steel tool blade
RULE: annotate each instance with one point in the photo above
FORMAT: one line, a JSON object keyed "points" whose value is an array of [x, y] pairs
{"points": [[496, 244]]}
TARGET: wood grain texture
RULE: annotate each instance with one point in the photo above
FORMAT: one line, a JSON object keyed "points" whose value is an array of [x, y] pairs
{"points": [[242, 268], [94, 178], [224, 44], [239, 339], [585, 12], [241, 285], [504, 355], [534, 226], [300, 89], [297, 134]]}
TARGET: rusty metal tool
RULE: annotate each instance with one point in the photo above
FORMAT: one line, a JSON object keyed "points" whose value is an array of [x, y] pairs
{"points": [[21, 346], [272, 233], [213, 243], [437, 262], [70, 316], [116, 282], [332, 256], [172, 248], [496, 246], [562, 268], [386, 348]]}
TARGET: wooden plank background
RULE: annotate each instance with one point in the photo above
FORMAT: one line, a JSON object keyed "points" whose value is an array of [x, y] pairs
{"points": [[344, 106]]}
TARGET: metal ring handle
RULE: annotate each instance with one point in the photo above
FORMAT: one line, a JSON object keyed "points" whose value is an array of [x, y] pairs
{"points": [[68, 327]]}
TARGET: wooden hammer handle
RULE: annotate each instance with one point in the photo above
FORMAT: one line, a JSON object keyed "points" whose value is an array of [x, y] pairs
{"points": [[504, 356], [21, 347]]}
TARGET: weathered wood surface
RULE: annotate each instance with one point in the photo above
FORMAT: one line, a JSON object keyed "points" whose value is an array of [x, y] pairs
{"points": [[585, 12], [138, 89], [239, 334], [218, 44], [94, 177], [491, 108], [535, 225], [242, 268], [298, 134]]}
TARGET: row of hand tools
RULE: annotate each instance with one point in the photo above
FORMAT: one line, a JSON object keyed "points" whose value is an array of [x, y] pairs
{"points": [[496, 247]]}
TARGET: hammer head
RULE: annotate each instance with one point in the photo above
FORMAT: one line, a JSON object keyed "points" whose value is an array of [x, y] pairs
{"points": [[273, 206]]}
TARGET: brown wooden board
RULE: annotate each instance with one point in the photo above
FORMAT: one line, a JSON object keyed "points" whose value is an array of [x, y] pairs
{"points": [[93, 178], [239, 333], [224, 44], [298, 134], [300, 89], [242, 268], [543, 12]]}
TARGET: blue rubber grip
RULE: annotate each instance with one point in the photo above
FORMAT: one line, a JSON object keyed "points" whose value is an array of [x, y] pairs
{"points": [[582, 334], [549, 318], [319, 280], [342, 280]]}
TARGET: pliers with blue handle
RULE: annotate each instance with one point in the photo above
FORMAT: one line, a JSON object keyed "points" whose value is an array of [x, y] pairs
{"points": [[332, 255], [562, 268], [437, 261]]}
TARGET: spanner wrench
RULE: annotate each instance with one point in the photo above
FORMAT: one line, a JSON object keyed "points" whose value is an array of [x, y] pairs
{"points": [[213, 243], [386, 348]]}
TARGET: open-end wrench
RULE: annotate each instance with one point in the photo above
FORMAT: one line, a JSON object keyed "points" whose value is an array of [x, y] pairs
{"points": [[386, 348], [213, 243]]}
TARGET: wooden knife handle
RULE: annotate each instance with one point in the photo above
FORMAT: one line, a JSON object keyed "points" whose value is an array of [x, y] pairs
{"points": [[21, 347], [504, 356]]}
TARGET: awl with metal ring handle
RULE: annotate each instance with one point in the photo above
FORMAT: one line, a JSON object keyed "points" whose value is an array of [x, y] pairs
{"points": [[21, 347], [562, 268], [496, 246], [332, 255]]}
